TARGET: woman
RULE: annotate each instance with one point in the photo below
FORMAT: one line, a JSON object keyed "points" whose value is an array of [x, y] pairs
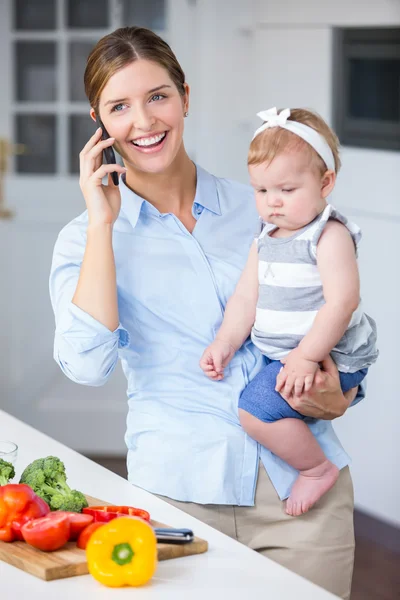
{"points": [[143, 275]]}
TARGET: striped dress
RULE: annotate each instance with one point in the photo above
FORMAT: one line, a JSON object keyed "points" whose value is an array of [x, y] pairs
{"points": [[291, 294]]}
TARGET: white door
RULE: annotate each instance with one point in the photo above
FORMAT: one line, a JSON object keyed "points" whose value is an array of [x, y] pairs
{"points": [[44, 123]]}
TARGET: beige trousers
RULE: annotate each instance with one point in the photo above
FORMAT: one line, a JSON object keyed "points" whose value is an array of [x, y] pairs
{"points": [[318, 545]]}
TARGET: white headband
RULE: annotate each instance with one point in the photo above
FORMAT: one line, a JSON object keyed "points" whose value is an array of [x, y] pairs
{"points": [[308, 134]]}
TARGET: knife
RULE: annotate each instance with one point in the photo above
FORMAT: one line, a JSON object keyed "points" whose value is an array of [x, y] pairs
{"points": [[173, 536]]}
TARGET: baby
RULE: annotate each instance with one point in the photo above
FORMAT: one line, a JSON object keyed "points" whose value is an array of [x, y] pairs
{"points": [[298, 295]]}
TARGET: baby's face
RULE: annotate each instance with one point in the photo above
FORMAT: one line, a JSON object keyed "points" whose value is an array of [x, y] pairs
{"points": [[288, 190]]}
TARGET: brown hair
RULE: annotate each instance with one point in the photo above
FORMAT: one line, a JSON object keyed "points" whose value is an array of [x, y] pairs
{"points": [[271, 142], [122, 47]]}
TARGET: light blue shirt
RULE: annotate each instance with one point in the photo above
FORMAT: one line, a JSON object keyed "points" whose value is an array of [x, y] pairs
{"points": [[183, 434]]}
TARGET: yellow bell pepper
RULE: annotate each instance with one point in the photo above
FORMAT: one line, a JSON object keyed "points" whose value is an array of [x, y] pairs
{"points": [[122, 552]]}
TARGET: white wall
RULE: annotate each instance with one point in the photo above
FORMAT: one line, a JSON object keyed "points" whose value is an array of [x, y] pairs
{"points": [[316, 12], [223, 77], [293, 57]]}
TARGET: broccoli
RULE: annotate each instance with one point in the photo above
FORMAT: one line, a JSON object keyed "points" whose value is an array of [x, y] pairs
{"points": [[7, 472], [47, 478], [74, 502]]}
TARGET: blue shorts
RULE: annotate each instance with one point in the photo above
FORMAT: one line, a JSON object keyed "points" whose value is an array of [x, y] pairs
{"points": [[260, 399]]}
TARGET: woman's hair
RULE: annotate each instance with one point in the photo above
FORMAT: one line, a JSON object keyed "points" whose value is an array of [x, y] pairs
{"points": [[122, 47], [271, 142]]}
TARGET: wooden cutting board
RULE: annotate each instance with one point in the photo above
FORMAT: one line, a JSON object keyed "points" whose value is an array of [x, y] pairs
{"points": [[70, 560]]}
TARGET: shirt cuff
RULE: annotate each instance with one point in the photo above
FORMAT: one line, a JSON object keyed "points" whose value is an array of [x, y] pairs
{"points": [[84, 333]]}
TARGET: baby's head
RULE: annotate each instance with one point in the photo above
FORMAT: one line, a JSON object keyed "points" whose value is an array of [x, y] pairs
{"points": [[290, 177]]}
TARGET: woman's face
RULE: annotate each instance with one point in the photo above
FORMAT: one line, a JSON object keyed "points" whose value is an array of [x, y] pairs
{"points": [[142, 109]]}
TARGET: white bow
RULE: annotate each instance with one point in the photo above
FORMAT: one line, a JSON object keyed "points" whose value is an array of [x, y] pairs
{"points": [[272, 118]]}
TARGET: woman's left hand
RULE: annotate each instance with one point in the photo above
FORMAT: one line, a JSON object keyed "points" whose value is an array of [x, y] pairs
{"points": [[325, 399]]}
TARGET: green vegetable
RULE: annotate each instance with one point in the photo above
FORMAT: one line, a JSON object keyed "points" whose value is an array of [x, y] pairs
{"points": [[47, 478], [7, 472]]}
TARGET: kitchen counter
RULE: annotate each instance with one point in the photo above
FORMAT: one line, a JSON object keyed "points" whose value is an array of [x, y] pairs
{"points": [[228, 570]]}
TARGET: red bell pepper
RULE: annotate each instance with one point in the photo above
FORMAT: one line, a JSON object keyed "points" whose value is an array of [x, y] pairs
{"points": [[77, 522], [18, 505], [86, 533], [104, 514], [48, 533]]}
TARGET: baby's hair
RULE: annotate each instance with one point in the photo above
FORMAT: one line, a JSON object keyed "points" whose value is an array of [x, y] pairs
{"points": [[271, 142]]}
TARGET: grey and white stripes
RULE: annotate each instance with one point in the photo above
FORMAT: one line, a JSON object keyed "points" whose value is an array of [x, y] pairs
{"points": [[290, 295]]}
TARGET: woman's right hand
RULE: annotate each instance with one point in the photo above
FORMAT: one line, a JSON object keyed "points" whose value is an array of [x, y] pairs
{"points": [[215, 358], [103, 201]]}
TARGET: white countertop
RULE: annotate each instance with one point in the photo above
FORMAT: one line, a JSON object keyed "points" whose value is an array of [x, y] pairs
{"points": [[228, 570]]}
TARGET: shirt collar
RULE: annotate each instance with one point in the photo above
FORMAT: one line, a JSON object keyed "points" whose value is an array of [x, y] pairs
{"points": [[131, 203], [206, 196], [207, 191]]}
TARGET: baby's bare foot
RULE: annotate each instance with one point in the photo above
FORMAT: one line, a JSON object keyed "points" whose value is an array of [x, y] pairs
{"points": [[310, 486]]}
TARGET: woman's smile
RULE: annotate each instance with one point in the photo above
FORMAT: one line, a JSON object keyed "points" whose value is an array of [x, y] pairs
{"points": [[151, 143]]}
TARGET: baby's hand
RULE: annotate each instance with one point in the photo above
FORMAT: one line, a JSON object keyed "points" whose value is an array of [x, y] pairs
{"points": [[297, 374], [215, 358]]}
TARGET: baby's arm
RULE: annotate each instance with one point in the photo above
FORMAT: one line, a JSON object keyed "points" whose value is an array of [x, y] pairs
{"points": [[240, 311], [239, 318], [337, 265]]}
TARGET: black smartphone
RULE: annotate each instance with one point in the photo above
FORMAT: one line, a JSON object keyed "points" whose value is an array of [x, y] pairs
{"points": [[108, 153], [173, 536]]}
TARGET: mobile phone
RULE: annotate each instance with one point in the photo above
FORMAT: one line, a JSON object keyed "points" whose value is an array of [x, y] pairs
{"points": [[108, 153], [173, 536]]}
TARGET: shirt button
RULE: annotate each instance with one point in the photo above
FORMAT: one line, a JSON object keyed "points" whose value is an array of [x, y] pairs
{"points": [[198, 209]]}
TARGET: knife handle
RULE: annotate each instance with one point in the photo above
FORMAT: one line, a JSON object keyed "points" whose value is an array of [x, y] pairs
{"points": [[173, 536]]}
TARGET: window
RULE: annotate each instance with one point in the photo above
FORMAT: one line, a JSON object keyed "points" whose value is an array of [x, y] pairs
{"points": [[51, 41], [366, 87]]}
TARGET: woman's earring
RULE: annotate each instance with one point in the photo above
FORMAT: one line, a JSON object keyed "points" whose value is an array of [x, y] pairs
{"points": [[186, 114]]}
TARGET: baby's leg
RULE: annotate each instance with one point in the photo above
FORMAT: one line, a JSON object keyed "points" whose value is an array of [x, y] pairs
{"points": [[269, 419], [292, 440]]}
